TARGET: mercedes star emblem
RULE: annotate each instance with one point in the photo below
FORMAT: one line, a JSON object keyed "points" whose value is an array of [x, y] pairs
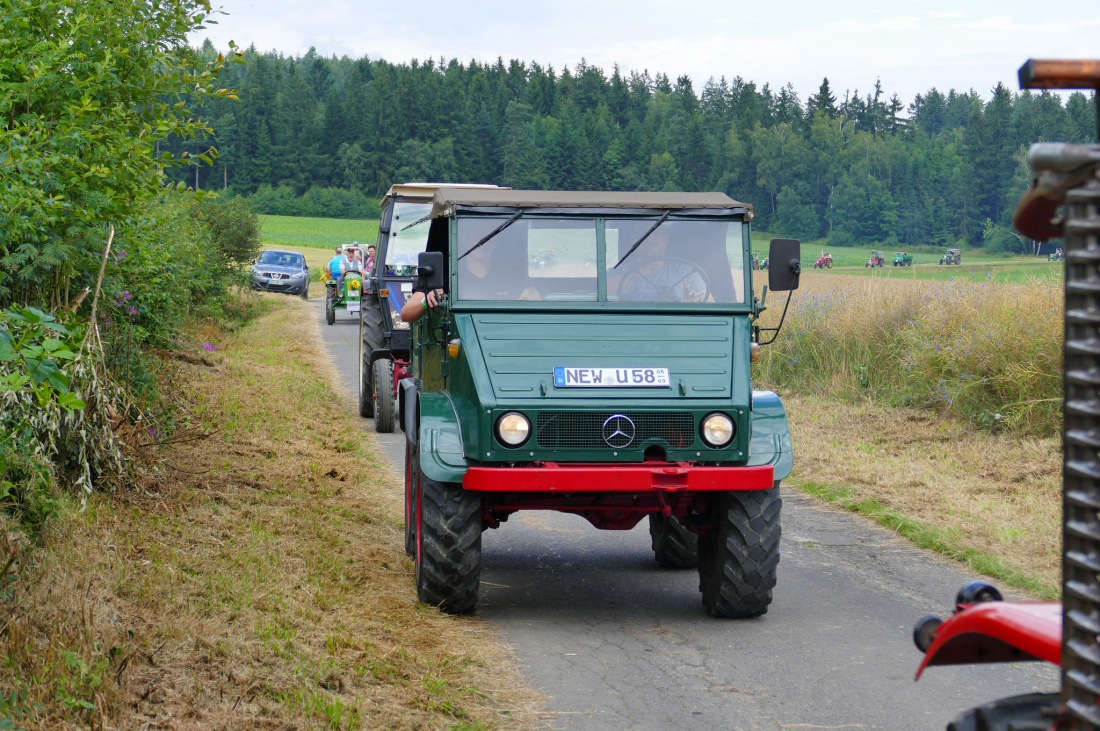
{"points": [[618, 431]]}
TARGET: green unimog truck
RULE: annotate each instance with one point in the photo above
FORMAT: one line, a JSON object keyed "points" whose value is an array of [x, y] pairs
{"points": [[592, 356]]}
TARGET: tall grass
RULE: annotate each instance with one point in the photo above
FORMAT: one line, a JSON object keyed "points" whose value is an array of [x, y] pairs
{"points": [[988, 353]]}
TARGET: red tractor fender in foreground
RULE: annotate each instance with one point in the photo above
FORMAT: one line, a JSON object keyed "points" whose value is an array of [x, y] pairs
{"points": [[644, 477], [997, 632]]}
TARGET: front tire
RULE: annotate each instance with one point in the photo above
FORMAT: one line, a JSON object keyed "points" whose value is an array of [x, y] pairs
{"points": [[371, 338], [739, 556], [330, 309], [382, 396], [448, 545]]}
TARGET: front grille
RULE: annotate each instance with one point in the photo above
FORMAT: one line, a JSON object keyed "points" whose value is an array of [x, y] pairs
{"points": [[585, 429]]}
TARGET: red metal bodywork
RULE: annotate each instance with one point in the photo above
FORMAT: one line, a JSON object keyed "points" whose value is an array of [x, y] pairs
{"points": [[998, 632], [604, 478], [611, 497]]}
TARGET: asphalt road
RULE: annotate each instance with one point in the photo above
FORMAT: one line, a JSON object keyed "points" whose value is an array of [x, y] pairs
{"points": [[618, 643]]}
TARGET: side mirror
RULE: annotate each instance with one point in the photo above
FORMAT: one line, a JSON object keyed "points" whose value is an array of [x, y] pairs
{"points": [[429, 270], [784, 264], [384, 230]]}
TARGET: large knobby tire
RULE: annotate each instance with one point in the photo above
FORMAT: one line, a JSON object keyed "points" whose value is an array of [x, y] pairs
{"points": [[738, 558], [382, 381], [674, 546], [412, 475], [330, 310], [371, 338], [448, 546]]}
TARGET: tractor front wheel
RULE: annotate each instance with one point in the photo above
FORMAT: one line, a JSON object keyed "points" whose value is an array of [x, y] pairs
{"points": [[448, 545], [739, 555], [674, 546], [382, 387], [330, 308]]}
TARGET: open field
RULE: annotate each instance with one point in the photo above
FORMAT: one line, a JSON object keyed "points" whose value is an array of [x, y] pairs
{"points": [[291, 232], [256, 580]]}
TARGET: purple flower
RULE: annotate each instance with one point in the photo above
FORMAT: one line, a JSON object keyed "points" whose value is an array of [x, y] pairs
{"points": [[209, 347], [121, 254], [153, 432], [132, 311], [127, 296]]}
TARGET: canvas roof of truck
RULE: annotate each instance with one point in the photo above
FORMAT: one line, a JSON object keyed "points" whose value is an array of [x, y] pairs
{"points": [[427, 190], [447, 199]]}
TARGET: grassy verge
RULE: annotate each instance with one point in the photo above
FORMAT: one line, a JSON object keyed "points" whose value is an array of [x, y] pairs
{"points": [[992, 501], [256, 581]]}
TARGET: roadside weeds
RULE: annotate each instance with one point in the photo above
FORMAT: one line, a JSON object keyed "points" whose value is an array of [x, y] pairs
{"points": [[258, 582]]}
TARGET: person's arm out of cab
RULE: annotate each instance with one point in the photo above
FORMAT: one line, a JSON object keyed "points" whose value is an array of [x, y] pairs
{"points": [[419, 303]]}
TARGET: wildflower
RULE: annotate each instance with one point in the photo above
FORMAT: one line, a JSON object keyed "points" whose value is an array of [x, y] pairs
{"points": [[127, 296], [132, 311], [121, 254], [153, 432], [209, 347]]}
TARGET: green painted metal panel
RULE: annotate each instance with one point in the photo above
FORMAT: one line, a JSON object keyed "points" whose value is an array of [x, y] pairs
{"points": [[521, 350], [441, 456], [771, 434]]}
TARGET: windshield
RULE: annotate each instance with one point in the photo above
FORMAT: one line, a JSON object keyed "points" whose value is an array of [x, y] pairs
{"points": [[556, 259], [408, 236], [281, 258]]}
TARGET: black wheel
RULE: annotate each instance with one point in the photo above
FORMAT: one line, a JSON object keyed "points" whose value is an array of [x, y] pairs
{"points": [[1031, 711], [371, 338], [665, 279], [382, 376], [977, 592], [674, 546], [304, 294], [448, 545], [738, 558], [330, 308], [412, 459], [924, 631]]}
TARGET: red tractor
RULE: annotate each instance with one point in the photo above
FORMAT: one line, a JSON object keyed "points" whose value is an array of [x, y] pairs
{"points": [[824, 262], [983, 628], [878, 259]]}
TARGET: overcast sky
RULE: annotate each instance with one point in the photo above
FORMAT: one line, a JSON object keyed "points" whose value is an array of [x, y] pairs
{"points": [[911, 45]]}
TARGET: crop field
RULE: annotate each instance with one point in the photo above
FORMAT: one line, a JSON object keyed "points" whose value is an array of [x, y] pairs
{"points": [[291, 232]]}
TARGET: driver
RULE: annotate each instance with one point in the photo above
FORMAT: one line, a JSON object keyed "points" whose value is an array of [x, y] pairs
{"points": [[658, 276], [482, 275]]}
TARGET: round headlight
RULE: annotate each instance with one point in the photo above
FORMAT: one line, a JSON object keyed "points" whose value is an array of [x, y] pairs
{"points": [[718, 430], [513, 429]]}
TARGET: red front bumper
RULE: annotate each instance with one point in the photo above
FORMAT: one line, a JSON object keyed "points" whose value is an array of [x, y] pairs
{"points": [[646, 477]]}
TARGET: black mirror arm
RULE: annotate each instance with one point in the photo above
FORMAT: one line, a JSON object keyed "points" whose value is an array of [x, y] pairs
{"points": [[775, 330]]}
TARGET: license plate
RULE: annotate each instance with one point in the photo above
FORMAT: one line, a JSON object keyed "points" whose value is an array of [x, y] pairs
{"points": [[611, 377]]}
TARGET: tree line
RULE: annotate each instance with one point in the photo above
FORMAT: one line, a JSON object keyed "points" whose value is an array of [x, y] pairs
{"points": [[853, 168]]}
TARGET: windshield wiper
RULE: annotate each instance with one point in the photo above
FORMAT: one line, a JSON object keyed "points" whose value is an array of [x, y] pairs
{"points": [[415, 223], [494, 232], [644, 237]]}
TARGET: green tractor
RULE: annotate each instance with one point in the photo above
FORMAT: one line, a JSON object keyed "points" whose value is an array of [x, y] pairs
{"points": [[611, 380], [346, 295], [953, 256], [903, 260]]}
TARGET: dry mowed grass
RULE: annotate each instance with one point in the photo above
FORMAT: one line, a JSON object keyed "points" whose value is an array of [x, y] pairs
{"points": [[257, 581], [854, 349]]}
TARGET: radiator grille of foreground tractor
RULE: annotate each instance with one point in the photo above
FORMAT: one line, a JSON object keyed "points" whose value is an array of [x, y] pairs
{"points": [[586, 430], [1081, 540]]}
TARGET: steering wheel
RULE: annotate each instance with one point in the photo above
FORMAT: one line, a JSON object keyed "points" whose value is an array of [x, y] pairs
{"points": [[665, 279]]}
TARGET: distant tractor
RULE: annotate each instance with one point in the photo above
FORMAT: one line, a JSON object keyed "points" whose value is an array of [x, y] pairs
{"points": [[878, 259], [825, 261], [903, 260], [953, 256], [1058, 254]]}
